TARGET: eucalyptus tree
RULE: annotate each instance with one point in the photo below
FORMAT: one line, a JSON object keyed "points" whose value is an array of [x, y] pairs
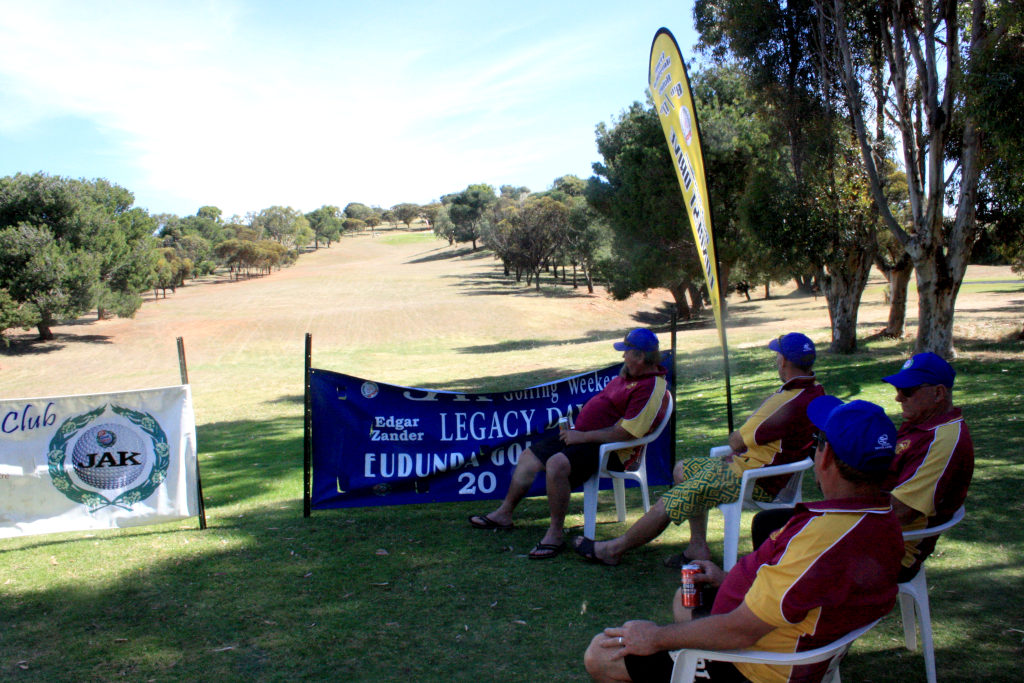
{"points": [[914, 57]]}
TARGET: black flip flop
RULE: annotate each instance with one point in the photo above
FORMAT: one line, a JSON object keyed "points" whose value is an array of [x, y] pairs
{"points": [[584, 547], [488, 523], [545, 551]]}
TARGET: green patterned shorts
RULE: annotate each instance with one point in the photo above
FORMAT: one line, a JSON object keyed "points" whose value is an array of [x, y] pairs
{"points": [[708, 482]]}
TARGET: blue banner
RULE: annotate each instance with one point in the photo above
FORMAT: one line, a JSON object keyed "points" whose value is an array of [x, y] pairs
{"points": [[381, 444]]}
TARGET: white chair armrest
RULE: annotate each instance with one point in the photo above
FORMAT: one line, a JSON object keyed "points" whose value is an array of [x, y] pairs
{"points": [[775, 470], [935, 530], [776, 658], [721, 451]]}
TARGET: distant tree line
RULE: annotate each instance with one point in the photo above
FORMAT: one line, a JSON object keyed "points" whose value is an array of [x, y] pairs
{"points": [[69, 246], [837, 137]]}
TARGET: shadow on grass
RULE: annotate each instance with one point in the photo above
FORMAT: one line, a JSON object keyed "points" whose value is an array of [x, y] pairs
{"points": [[445, 254], [593, 336], [32, 345]]}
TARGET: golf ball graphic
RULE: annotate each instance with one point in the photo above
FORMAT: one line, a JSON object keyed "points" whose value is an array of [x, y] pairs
{"points": [[109, 456]]}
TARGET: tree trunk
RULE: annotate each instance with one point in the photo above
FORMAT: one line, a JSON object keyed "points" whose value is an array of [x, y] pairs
{"points": [[679, 295], [936, 297], [843, 289], [767, 291], [899, 281], [586, 276], [45, 333], [696, 302]]}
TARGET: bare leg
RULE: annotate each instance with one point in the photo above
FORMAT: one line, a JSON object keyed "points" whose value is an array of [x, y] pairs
{"points": [[600, 665], [645, 530], [698, 548], [557, 472], [680, 613], [677, 473], [522, 479]]}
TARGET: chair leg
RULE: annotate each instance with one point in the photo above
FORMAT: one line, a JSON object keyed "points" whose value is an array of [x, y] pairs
{"points": [[620, 497], [731, 512], [914, 602], [909, 614], [590, 489], [642, 478]]}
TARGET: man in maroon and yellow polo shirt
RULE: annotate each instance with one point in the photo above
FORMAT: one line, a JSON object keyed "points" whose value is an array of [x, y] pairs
{"points": [[777, 433], [934, 454], [831, 569], [629, 407]]}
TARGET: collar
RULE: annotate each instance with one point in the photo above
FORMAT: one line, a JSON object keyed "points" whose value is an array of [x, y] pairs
{"points": [[867, 504], [658, 371], [801, 382], [954, 415]]}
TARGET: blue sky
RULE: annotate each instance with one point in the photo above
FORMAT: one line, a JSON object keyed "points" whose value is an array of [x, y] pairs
{"points": [[244, 105]]}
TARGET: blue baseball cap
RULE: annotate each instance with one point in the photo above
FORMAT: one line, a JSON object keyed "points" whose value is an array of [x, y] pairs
{"points": [[860, 433], [794, 347], [640, 339], [923, 368]]}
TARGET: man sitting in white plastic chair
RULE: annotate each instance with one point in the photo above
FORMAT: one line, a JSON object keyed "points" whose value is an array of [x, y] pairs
{"points": [[777, 433], [830, 570]]}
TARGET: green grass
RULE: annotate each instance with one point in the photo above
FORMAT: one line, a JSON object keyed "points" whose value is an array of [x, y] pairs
{"points": [[379, 594], [427, 237]]}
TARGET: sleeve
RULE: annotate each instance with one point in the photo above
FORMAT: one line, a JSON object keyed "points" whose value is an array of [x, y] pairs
{"points": [[918, 484], [643, 408], [772, 420]]}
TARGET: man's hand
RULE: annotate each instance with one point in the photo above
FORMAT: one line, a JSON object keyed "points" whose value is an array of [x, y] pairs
{"points": [[736, 442], [710, 573], [572, 436], [632, 638]]}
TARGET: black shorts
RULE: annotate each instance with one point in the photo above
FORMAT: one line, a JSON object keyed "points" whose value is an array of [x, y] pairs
{"points": [[657, 668], [583, 457]]}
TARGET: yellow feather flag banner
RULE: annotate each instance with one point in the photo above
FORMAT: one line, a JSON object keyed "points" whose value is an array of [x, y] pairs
{"points": [[670, 88]]}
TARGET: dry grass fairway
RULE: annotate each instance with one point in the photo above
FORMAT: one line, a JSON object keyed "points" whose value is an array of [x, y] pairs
{"points": [[404, 308]]}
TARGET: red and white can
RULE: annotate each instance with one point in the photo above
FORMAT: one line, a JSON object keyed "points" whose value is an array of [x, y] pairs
{"points": [[690, 596]]}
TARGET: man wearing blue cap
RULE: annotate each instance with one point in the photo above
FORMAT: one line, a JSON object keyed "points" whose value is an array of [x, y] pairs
{"points": [[934, 462], [629, 407], [934, 453], [777, 433], [831, 569]]}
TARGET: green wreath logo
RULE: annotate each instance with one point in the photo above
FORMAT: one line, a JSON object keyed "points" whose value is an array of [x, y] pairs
{"points": [[93, 500]]}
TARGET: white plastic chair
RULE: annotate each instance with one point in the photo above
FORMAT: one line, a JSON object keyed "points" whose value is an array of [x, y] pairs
{"points": [[686, 664], [914, 600], [639, 474], [786, 498]]}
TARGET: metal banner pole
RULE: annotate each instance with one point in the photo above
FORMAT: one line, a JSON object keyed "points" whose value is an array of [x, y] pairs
{"points": [[307, 440], [675, 379], [183, 368]]}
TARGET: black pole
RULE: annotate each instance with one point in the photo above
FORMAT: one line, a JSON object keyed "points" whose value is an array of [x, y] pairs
{"points": [[675, 379], [307, 440], [183, 368]]}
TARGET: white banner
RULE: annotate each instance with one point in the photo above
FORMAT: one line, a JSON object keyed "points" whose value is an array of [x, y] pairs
{"points": [[97, 462]]}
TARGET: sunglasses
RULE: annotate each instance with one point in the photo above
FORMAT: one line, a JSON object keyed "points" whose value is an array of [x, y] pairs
{"points": [[819, 440], [909, 392]]}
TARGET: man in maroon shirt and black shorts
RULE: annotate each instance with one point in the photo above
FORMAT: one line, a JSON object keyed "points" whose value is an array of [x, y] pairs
{"points": [[627, 408]]}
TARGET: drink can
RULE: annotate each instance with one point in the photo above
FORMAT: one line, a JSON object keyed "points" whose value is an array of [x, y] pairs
{"points": [[690, 597]]}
